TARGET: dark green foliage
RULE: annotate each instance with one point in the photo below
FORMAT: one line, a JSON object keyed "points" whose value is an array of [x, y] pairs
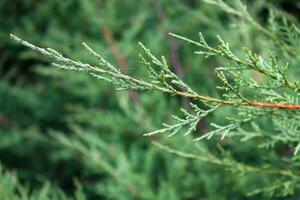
{"points": [[67, 135]]}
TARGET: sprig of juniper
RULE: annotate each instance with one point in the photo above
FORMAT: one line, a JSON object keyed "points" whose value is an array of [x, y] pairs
{"points": [[229, 163], [164, 80], [285, 183], [251, 62], [190, 121]]}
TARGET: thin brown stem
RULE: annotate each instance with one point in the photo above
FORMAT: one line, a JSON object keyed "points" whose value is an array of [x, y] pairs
{"points": [[275, 105], [228, 102]]}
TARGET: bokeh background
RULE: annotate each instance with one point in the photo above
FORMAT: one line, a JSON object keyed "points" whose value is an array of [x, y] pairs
{"points": [[66, 135]]}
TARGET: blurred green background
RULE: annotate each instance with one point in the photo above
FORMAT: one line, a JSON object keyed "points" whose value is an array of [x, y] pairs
{"points": [[66, 135]]}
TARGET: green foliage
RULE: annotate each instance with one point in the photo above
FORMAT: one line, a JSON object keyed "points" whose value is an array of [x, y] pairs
{"points": [[11, 189], [69, 129]]}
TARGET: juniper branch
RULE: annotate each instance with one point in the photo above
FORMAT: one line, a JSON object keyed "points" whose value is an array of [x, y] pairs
{"points": [[117, 78], [229, 163], [253, 61]]}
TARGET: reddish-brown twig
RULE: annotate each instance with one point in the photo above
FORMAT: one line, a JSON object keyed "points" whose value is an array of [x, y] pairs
{"points": [[275, 105]]}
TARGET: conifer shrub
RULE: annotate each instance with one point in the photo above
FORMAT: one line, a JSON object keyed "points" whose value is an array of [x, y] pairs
{"points": [[235, 134]]}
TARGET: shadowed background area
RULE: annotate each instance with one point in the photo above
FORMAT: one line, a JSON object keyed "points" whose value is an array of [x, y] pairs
{"points": [[65, 134]]}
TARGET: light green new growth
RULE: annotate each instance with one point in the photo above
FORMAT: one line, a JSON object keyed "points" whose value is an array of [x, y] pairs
{"points": [[164, 80]]}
